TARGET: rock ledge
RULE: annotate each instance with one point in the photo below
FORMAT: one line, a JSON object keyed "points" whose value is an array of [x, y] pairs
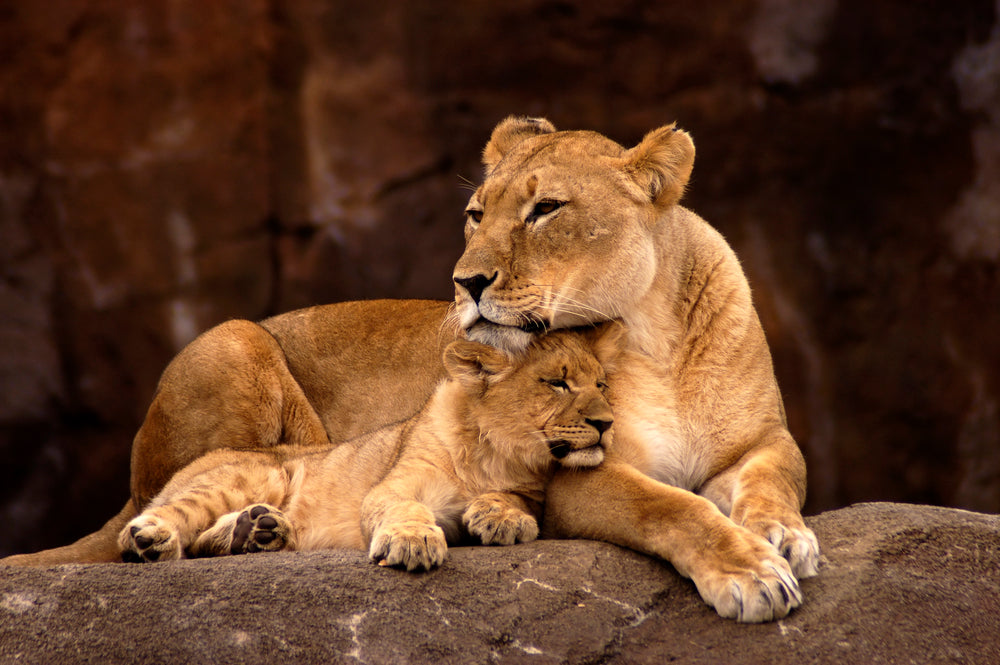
{"points": [[900, 584]]}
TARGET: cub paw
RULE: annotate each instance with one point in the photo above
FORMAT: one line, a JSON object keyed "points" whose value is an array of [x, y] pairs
{"points": [[747, 580], [260, 528], [414, 546], [146, 539], [497, 523]]}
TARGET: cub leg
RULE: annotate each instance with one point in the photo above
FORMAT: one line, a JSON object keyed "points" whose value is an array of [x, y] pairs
{"points": [[258, 528], [194, 500], [736, 571], [500, 518], [400, 530], [407, 536]]}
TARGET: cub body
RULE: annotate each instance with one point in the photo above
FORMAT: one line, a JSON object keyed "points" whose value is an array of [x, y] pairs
{"points": [[474, 460]]}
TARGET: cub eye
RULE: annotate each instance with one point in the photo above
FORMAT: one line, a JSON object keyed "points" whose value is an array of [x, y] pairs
{"points": [[475, 216], [602, 386], [558, 384]]}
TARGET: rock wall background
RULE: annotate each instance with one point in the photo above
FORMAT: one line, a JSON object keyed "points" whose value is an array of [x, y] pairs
{"points": [[167, 165]]}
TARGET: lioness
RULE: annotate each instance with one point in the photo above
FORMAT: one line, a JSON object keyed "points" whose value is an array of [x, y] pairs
{"points": [[474, 460], [568, 228]]}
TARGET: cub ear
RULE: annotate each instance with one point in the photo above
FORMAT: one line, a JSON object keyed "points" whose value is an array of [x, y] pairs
{"points": [[661, 164], [607, 340], [511, 131], [473, 364]]}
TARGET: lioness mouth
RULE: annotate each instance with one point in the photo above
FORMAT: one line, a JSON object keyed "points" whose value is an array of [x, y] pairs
{"points": [[533, 326]]}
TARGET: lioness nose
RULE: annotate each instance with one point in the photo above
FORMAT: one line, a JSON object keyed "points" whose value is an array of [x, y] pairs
{"points": [[476, 284], [601, 426]]}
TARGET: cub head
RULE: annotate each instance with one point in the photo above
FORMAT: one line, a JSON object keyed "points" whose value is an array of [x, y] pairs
{"points": [[562, 231], [545, 403]]}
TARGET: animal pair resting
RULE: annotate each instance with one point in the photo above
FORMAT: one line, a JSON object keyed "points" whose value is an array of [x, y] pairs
{"points": [[568, 229]]}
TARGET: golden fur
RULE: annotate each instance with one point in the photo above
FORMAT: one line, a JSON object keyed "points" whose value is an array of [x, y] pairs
{"points": [[567, 228], [474, 460]]}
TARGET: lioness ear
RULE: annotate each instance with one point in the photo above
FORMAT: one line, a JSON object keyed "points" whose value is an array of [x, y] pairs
{"points": [[511, 131], [661, 164], [473, 364], [607, 340]]}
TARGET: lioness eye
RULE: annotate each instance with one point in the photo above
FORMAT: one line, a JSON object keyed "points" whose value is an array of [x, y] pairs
{"points": [[475, 216], [602, 386], [558, 384], [545, 207]]}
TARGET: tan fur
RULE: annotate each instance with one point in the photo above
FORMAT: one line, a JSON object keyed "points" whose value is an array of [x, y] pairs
{"points": [[697, 406], [474, 460]]}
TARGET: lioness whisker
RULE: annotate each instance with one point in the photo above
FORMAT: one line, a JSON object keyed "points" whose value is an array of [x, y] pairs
{"points": [[465, 183], [558, 302], [451, 322], [574, 307]]}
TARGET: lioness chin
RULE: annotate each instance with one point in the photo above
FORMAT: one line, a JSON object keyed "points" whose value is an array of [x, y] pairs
{"points": [[567, 229]]}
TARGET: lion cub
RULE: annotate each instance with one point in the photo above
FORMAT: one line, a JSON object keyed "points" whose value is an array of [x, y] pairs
{"points": [[475, 460]]}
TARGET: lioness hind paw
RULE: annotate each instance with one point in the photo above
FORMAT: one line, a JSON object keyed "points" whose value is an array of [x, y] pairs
{"points": [[260, 528]]}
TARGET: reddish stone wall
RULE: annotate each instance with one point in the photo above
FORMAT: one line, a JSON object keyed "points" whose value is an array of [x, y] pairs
{"points": [[166, 166]]}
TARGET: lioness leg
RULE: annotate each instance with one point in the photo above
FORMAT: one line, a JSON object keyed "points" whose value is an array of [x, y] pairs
{"points": [[231, 388], [758, 494], [500, 518], [737, 572]]}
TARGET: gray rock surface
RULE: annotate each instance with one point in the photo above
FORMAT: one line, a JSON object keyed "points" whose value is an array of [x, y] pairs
{"points": [[900, 584]]}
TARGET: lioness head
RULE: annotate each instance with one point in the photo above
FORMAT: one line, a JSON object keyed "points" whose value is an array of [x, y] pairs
{"points": [[561, 232], [547, 401]]}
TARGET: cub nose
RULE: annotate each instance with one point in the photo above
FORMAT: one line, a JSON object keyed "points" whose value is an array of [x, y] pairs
{"points": [[600, 425], [475, 285]]}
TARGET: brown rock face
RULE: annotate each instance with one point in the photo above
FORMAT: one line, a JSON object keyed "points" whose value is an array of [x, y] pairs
{"points": [[900, 584], [166, 166]]}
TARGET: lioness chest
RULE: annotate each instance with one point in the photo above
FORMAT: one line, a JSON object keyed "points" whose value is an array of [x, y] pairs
{"points": [[650, 431]]}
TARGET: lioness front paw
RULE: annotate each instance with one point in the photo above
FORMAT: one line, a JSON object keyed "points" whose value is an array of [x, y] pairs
{"points": [[798, 545], [769, 593], [148, 538], [495, 522], [414, 546], [747, 580], [260, 528]]}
